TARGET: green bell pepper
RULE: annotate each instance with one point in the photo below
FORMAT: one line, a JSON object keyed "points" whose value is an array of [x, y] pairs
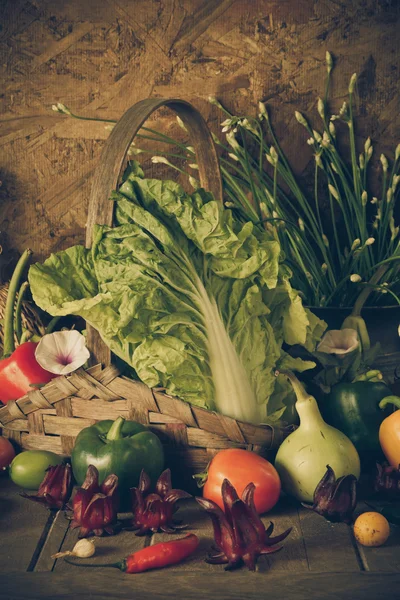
{"points": [[120, 447], [353, 408]]}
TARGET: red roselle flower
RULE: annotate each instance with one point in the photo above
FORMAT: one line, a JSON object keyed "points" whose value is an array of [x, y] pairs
{"points": [[335, 499], [55, 489], [239, 533], [95, 506], [154, 511], [387, 481]]}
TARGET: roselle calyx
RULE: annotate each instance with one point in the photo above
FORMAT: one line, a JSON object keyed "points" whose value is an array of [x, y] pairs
{"points": [[154, 511], [335, 499], [239, 533], [387, 481], [55, 489], [95, 506]]}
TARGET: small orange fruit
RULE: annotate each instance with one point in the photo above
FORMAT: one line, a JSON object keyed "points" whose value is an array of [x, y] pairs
{"points": [[371, 529]]}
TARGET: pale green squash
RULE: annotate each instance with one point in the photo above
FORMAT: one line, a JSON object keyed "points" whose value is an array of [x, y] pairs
{"points": [[303, 456]]}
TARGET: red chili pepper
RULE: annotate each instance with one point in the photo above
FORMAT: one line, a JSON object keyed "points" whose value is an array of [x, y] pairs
{"points": [[18, 368], [160, 555]]}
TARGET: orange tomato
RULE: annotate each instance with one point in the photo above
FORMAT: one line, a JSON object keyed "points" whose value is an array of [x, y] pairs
{"points": [[242, 467]]}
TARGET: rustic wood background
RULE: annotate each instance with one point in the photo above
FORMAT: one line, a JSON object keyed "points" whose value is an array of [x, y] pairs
{"points": [[100, 56]]}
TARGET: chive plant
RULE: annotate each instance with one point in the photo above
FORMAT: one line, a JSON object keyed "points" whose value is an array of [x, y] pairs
{"points": [[330, 267]]}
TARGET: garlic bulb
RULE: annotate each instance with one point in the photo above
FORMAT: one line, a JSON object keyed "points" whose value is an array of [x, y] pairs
{"points": [[82, 549]]}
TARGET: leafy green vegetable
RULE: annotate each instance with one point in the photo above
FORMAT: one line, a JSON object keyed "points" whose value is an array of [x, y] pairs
{"points": [[192, 299]]}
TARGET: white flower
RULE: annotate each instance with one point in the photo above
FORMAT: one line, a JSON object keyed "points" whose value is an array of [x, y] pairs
{"points": [[321, 108], [317, 136], [232, 141], [384, 161], [62, 352], [160, 159], [194, 183], [339, 341], [333, 191], [263, 111], [300, 118], [329, 61], [352, 83], [61, 108], [181, 123]]}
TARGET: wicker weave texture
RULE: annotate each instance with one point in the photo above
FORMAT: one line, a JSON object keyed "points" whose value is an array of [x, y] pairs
{"points": [[52, 417]]}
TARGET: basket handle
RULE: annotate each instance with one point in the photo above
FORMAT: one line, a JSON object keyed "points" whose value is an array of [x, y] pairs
{"points": [[112, 162]]}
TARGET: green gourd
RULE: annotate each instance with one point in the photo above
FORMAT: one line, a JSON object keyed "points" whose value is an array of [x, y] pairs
{"points": [[303, 456]]}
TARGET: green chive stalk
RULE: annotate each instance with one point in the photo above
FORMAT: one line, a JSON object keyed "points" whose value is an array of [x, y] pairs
{"points": [[331, 265]]}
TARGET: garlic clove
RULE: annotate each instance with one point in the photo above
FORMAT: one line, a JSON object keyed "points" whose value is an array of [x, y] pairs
{"points": [[84, 548]]}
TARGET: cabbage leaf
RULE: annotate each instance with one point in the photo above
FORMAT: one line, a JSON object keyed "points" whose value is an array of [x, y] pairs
{"points": [[191, 298]]}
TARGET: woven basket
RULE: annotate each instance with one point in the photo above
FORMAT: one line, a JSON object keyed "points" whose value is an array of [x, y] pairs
{"points": [[52, 417]]}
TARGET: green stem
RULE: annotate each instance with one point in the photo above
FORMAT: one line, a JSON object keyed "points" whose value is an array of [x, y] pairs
{"points": [[115, 430], [18, 311], [395, 400], [52, 324], [9, 345], [298, 387], [121, 564], [363, 297], [201, 478]]}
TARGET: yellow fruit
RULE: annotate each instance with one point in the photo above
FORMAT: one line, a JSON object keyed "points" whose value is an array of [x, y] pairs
{"points": [[371, 529]]}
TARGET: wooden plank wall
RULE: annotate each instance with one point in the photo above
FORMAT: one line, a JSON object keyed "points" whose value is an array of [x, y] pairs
{"points": [[100, 56]]}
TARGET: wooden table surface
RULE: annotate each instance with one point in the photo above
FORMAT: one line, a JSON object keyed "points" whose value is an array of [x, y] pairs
{"points": [[319, 560]]}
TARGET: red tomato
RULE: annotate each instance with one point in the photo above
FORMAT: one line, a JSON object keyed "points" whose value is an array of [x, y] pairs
{"points": [[7, 452], [242, 467]]}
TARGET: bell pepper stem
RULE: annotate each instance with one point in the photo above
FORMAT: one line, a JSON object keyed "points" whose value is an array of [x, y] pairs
{"points": [[18, 311], [9, 345], [371, 375], [115, 430], [395, 400]]}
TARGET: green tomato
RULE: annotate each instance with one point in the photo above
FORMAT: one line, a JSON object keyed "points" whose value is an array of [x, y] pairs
{"points": [[28, 469]]}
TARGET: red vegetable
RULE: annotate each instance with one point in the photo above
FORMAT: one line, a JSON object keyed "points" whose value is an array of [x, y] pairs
{"points": [[239, 533], [95, 506], [7, 452], [160, 555], [241, 467], [18, 368], [55, 489], [335, 499], [153, 512], [20, 371]]}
